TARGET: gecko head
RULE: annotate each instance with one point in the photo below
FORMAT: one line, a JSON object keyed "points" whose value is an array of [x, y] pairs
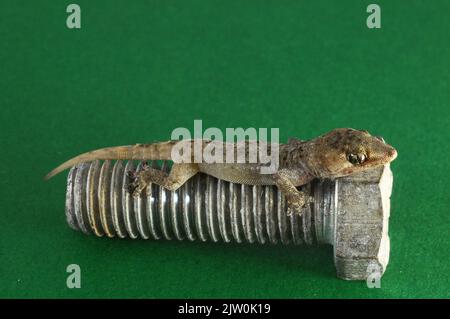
{"points": [[345, 151]]}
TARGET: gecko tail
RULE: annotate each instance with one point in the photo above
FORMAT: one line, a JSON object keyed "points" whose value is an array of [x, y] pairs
{"points": [[108, 153], [153, 151]]}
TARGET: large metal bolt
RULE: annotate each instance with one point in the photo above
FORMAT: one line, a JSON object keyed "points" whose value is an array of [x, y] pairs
{"points": [[349, 213]]}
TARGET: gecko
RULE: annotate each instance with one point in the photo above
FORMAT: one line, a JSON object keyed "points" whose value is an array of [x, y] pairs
{"points": [[340, 152]]}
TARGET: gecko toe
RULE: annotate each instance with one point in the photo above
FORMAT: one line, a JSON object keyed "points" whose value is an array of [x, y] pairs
{"points": [[132, 174], [131, 188], [289, 212], [136, 193], [133, 181], [145, 165]]}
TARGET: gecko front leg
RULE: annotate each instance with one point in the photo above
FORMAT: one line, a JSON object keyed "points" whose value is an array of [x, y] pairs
{"points": [[287, 180], [178, 175]]}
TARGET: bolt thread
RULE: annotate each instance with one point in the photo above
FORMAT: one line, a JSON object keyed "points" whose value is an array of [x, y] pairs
{"points": [[204, 208]]}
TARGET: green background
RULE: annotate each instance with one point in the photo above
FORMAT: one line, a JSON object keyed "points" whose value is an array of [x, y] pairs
{"points": [[138, 69]]}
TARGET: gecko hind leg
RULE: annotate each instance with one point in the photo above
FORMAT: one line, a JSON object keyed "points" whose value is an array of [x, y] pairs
{"points": [[178, 175], [298, 202]]}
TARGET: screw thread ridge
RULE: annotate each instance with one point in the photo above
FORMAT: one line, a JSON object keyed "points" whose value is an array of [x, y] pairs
{"points": [[204, 208]]}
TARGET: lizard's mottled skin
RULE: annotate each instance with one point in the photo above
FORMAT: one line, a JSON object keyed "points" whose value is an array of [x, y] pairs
{"points": [[340, 152]]}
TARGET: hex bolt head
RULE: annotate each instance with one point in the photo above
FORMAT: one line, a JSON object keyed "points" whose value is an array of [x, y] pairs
{"points": [[362, 219]]}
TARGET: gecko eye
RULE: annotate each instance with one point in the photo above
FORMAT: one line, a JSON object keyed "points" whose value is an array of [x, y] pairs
{"points": [[356, 158]]}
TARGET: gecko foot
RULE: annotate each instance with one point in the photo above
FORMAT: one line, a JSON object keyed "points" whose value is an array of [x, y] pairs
{"points": [[298, 203], [145, 176], [145, 166], [136, 180], [136, 185], [132, 182], [131, 176]]}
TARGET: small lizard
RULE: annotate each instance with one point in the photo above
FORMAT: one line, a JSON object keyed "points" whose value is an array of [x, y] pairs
{"points": [[340, 152]]}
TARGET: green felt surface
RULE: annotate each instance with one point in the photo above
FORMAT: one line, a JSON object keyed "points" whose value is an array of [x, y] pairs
{"points": [[138, 69]]}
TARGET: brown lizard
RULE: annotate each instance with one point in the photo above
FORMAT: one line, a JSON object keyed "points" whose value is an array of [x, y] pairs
{"points": [[340, 152]]}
